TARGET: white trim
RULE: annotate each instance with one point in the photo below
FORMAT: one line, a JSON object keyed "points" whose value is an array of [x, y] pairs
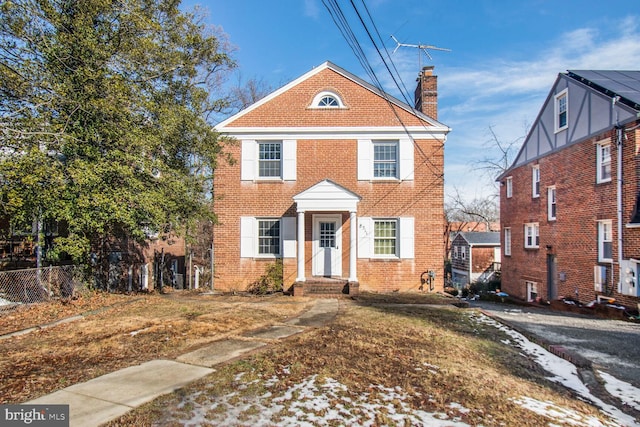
{"points": [[326, 93], [552, 202], [248, 240], [407, 241], [507, 241], [601, 241], [248, 160], [288, 235], [535, 235], [365, 160], [599, 146], [405, 162], [289, 159], [509, 184], [365, 132], [556, 112]]}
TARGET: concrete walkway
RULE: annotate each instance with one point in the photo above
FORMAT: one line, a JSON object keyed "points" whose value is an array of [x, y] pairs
{"points": [[105, 398]]}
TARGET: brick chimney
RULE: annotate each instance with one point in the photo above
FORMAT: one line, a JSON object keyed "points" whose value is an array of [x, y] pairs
{"points": [[426, 94]]}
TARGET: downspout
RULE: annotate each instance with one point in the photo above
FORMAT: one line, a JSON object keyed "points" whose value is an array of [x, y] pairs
{"points": [[619, 135]]}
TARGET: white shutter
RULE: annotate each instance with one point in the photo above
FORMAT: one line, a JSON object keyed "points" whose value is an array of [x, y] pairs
{"points": [[247, 237], [365, 237], [406, 159], [365, 160], [289, 163], [407, 243], [288, 232], [248, 161]]}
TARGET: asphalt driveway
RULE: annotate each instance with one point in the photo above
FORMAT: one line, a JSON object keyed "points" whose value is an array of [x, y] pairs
{"points": [[612, 346]]}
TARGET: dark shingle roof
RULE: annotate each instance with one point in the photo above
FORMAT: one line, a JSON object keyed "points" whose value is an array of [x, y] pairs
{"points": [[476, 238], [625, 84]]}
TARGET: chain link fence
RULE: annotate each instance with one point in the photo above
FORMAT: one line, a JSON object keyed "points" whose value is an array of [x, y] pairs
{"points": [[35, 285]]}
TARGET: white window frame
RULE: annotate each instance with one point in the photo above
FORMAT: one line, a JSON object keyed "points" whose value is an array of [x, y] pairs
{"points": [[405, 160], [561, 107], [395, 238], [507, 241], [318, 103], [532, 235], [250, 162], [405, 239], [605, 237], [552, 207], [249, 237], [532, 289], [535, 181], [603, 161], [455, 252], [509, 185], [463, 252]]}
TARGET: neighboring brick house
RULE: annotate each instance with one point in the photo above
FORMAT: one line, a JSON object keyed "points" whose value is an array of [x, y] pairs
{"points": [[338, 180], [569, 202], [475, 257]]}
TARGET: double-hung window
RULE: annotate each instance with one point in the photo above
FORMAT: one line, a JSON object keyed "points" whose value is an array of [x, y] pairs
{"points": [[509, 184], [507, 241], [385, 159], [463, 252], [268, 237], [270, 159], [551, 203], [455, 252], [603, 163], [385, 237], [531, 235], [561, 111], [605, 241], [535, 181]]}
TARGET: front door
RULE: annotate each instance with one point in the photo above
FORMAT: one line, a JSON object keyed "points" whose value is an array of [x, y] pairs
{"points": [[327, 237]]}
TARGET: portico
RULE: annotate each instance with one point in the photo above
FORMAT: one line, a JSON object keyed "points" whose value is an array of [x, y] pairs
{"points": [[325, 202]]}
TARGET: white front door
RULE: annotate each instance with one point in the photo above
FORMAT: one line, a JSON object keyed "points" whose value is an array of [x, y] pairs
{"points": [[327, 239]]}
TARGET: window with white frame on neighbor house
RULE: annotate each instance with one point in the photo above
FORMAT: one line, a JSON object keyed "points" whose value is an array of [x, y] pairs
{"points": [[463, 252], [551, 203], [561, 110], [507, 241], [455, 252], [603, 162], [535, 181], [509, 184], [270, 159], [385, 237], [269, 237], [385, 159], [605, 241], [531, 235]]}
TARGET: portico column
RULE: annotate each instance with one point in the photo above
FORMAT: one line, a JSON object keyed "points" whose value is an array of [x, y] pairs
{"points": [[353, 238], [300, 277]]}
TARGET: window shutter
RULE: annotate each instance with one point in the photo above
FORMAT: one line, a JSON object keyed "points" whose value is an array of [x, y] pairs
{"points": [[249, 157], [289, 163], [247, 237], [365, 160], [365, 237], [406, 159], [288, 231], [407, 244]]}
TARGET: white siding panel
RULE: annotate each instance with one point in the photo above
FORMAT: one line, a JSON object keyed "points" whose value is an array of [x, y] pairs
{"points": [[289, 160], [365, 160], [365, 237], [248, 161], [406, 159], [288, 231], [247, 237], [407, 240]]}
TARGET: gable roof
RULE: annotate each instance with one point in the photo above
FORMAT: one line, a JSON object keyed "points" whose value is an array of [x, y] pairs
{"points": [[481, 238], [326, 195], [625, 84], [436, 125], [593, 109]]}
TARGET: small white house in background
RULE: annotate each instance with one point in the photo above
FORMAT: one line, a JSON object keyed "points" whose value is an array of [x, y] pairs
{"points": [[475, 257]]}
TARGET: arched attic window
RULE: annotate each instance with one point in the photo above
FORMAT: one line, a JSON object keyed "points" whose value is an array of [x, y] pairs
{"points": [[327, 99]]}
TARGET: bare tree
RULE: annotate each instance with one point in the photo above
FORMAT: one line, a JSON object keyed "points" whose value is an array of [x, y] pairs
{"points": [[498, 157]]}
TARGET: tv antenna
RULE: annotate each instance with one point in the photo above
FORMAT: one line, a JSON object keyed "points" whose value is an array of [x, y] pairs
{"points": [[421, 47]]}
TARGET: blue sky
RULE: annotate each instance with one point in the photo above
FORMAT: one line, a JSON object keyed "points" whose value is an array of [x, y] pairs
{"points": [[505, 55]]}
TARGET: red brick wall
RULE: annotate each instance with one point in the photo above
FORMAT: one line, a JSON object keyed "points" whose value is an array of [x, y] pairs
{"points": [[572, 238], [422, 198], [482, 258]]}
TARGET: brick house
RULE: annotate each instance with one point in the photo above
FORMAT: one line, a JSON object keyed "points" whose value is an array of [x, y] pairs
{"points": [[475, 257], [338, 180], [569, 202]]}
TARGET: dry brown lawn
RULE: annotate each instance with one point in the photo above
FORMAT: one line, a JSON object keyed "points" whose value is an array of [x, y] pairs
{"points": [[117, 331]]}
